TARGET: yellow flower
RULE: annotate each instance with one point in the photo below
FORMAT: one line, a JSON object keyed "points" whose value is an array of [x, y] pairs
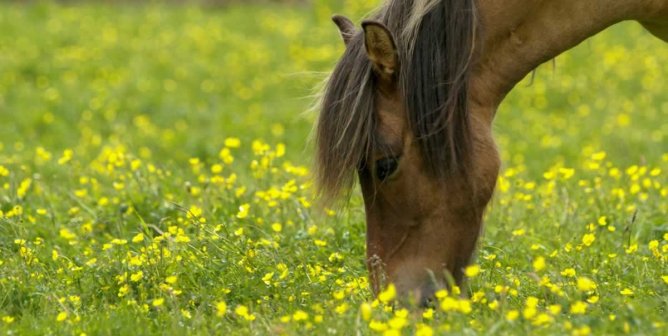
{"points": [[539, 264], [194, 212], [392, 332], [665, 279], [478, 296], [578, 308], [243, 211], [465, 306], [428, 314], [583, 331], [472, 271], [61, 317], [243, 311], [585, 284], [554, 309], [542, 319], [449, 304], [603, 221], [588, 239], [267, 278], [75, 299], [67, 156], [226, 156], [158, 302], [512, 315], [626, 292], [366, 311], [22, 190], [388, 294], [137, 276], [519, 232], [123, 291], [653, 245], [566, 173], [217, 169], [529, 312], [135, 164], [81, 193], [423, 330], [598, 156], [280, 150], [138, 238], [67, 234], [300, 315], [569, 272], [397, 323], [171, 279], [339, 295], [494, 305], [181, 238], [232, 143], [221, 308], [441, 294], [377, 326], [403, 313], [342, 308]]}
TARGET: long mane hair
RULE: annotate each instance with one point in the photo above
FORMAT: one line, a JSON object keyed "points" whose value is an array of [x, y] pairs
{"points": [[435, 41]]}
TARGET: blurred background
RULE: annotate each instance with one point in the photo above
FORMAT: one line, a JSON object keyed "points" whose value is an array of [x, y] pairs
{"points": [[169, 78], [173, 79]]}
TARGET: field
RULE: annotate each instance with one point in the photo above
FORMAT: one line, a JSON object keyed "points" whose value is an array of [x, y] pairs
{"points": [[154, 179]]}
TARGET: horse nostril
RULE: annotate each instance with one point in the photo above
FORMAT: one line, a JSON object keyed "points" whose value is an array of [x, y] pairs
{"points": [[427, 302], [427, 292]]}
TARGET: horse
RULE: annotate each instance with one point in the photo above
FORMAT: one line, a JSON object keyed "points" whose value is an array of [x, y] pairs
{"points": [[408, 112]]}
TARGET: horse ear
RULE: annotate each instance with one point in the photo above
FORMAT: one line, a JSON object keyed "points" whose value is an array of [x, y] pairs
{"points": [[346, 27], [381, 49]]}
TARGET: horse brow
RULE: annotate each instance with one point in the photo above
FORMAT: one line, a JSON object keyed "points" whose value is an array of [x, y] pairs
{"points": [[382, 146]]}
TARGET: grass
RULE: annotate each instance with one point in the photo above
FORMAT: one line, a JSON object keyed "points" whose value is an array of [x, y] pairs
{"points": [[154, 180]]}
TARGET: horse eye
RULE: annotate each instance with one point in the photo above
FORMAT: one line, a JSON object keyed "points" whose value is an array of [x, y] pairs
{"points": [[386, 167]]}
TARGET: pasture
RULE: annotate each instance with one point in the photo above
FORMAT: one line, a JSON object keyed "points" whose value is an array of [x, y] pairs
{"points": [[155, 179]]}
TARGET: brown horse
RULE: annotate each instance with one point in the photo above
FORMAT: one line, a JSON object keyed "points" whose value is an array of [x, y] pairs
{"points": [[409, 109]]}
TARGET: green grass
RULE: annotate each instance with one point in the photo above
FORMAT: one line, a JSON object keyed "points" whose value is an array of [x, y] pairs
{"points": [[126, 206]]}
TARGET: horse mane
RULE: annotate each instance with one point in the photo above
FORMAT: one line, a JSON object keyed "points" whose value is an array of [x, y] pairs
{"points": [[435, 40]]}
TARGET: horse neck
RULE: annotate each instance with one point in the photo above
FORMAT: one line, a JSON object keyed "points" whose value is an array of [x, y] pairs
{"points": [[519, 35]]}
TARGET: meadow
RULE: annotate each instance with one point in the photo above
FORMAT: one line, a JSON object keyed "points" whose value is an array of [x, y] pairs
{"points": [[155, 179]]}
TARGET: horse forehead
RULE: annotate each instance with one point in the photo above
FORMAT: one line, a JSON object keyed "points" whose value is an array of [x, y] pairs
{"points": [[391, 115]]}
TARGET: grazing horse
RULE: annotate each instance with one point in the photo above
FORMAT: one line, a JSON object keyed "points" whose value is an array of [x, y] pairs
{"points": [[409, 110]]}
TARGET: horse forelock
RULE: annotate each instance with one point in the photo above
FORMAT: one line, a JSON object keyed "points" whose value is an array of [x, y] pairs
{"points": [[434, 80], [345, 125], [435, 43]]}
